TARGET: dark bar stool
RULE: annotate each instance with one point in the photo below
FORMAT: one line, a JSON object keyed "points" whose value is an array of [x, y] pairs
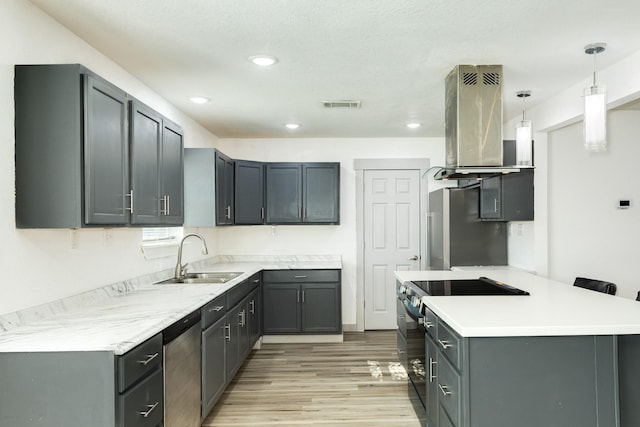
{"points": [[597, 285]]}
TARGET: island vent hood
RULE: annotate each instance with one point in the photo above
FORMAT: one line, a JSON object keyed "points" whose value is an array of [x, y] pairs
{"points": [[473, 123]]}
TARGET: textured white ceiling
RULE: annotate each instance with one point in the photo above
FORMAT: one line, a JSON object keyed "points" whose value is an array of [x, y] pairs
{"points": [[393, 55]]}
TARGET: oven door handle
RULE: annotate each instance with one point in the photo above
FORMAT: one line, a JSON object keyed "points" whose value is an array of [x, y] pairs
{"points": [[413, 312]]}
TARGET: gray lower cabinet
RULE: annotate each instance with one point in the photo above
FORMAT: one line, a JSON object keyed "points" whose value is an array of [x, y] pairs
{"points": [[84, 388], [214, 379], [568, 381], [156, 168], [83, 160], [301, 301], [303, 193], [249, 193]]}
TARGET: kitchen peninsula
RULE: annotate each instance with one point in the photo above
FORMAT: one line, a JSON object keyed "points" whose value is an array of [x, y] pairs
{"points": [[561, 356]]}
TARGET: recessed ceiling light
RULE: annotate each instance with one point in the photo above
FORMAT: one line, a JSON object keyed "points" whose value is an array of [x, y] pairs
{"points": [[414, 125], [292, 125], [199, 99], [263, 60]]}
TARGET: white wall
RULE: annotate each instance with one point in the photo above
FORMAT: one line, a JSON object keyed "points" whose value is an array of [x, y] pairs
{"points": [[320, 240], [589, 236], [40, 265]]}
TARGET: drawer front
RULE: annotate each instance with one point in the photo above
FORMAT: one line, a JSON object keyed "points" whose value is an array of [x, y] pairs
{"points": [[430, 322], [449, 387], [301, 276], [213, 311], [254, 281], [235, 294], [450, 344], [142, 406], [138, 362]]}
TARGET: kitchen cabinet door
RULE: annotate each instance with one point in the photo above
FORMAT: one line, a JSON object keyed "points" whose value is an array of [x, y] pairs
{"points": [[281, 308], [172, 177], [213, 364], [320, 308], [224, 189], [284, 193], [508, 197], [146, 144], [71, 159], [321, 193], [249, 193], [156, 168]]}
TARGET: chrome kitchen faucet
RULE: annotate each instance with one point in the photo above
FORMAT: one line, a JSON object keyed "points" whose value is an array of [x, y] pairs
{"points": [[180, 268]]}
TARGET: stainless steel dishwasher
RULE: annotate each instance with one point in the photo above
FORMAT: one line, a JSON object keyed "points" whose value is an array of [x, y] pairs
{"points": [[181, 352]]}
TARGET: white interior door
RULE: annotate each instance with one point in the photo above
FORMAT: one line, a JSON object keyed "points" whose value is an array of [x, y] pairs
{"points": [[391, 239]]}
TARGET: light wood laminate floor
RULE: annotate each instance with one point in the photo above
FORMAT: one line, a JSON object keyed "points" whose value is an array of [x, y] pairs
{"points": [[355, 383]]}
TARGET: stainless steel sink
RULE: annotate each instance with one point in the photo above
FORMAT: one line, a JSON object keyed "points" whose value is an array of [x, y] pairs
{"points": [[203, 277]]}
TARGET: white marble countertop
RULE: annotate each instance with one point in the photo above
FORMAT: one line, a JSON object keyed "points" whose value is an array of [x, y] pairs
{"points": [[120, 322], [552, 309]]}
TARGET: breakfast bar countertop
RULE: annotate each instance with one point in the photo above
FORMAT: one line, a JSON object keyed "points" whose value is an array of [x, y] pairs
{"points": [[552, 308]]}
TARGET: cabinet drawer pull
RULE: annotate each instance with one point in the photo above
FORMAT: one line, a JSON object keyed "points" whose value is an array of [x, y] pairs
{"points": [[228, 212], [303, 295], [299, 277], [241, 318], [149, 358], [227, 334], [432, 363], [151, 408], [216, 308], [445, 344], [252, 305], [444, 389], [256, 281], [428, 324], [261, 213]]}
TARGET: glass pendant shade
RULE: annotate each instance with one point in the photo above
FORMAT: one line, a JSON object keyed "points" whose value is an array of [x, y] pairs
{"points": [[524, 143], [595, 118]]}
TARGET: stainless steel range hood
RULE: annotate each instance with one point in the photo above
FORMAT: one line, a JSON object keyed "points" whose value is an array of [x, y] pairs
{"points": [[473, 123]]}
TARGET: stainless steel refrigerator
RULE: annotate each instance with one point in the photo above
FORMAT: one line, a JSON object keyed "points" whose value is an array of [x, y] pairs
{"points": [[455, 234]]}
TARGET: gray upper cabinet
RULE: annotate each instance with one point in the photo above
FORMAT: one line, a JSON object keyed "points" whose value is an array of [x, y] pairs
{"points": [[71, 148], [224, 169], [284, 193], [303, 193], [249, 193], [82, 160], [321, 195], [156, 168], [508, 197]]}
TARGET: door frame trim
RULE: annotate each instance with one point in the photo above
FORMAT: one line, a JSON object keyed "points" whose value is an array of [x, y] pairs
{"points": [[360, 166]]}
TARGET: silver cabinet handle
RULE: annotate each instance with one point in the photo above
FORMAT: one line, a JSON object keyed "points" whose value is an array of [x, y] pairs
{"points": [[241, 318], [414, 258], [444, 389], [402, 317], [401, 352], [298, 296], [130, 196], [168, 205], [227, 334], [149, 358], [303, 295], [151, 408], [216, 308], [445, 344], [432, 363], [252, 305], [299, 277], [256, 281], [495, 205], [428, 324], [228, 212], [261, 213]]}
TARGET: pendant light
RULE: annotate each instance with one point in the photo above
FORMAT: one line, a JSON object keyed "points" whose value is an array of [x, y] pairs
{"points": [[524, 135], [595, 107]]}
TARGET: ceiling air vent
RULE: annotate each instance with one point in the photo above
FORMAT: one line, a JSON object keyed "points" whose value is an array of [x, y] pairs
{"points": [[469, 79], [341, 104], [491, 79]]}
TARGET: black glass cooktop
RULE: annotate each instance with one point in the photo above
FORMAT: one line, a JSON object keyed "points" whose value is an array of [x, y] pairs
{"points": [[481, 286]]}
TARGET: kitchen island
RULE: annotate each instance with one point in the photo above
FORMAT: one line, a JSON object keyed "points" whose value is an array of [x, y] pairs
{"points": [[561, 356]]}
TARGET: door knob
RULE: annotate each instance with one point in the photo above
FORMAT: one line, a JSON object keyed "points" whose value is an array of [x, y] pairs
{"points": [[414, 258]]}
